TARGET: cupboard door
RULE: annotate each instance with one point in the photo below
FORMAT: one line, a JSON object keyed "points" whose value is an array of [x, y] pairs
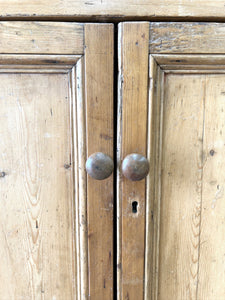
{"points": [[172, 246], [132, 133], [56, 91]]}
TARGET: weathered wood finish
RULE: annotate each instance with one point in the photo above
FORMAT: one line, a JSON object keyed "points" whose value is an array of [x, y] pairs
{"points": [[153, 182], [47, 247], [181, 186], [181, 37], [211, 60], [99, 115], [80, 179], [37, 214], [132, 138], [41, 37], [212, 245], [190, 252], [111, 10], [184, 238]]}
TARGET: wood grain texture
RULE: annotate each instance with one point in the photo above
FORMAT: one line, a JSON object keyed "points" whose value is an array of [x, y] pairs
{"points": [[213, 60], [191, 251], [195, 71], [153, 183], [212, 245], [49, 95], [27, 61], [190, 227], [41, 37], [132, 138], [174, 37], [109, 10], [181, 186], [77, 81], [37, 214], [99, 116], [194, 68]]}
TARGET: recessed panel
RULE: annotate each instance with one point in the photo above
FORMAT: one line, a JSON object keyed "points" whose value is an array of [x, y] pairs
{"points": [[192, 224], [36, 205]]}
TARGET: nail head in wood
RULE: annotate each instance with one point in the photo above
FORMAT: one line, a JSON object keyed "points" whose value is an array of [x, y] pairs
{"points": [[99, 166], [2, 174], [135, 167]]}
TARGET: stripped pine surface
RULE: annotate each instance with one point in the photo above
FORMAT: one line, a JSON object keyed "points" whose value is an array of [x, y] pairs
{"points": [[99, 136], [186, 38], [132, 138], [181, 178], [37, 217], [191, 249], [190, 253], [212, 244], [41, 37], [113, 10], [56, 97]]}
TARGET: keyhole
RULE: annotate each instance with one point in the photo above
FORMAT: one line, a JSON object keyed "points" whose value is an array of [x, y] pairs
{"points": [[134, 207]]}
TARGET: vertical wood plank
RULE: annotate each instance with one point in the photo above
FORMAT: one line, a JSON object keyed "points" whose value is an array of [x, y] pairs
{"points": [[79, 114], [153, 186], [212, 245], [181, 186], [99, 120], [36, 208], [132, 131]]}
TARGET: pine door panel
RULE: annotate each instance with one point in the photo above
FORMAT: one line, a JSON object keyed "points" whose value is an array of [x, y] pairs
{"points": [[191, 248], [131, 137], [100, 138], [52, 246], [183, 217], [181, 185], [37, 209]]}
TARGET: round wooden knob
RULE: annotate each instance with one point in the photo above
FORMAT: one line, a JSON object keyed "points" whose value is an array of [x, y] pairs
{"points": [[135, 167], [99, 166]]}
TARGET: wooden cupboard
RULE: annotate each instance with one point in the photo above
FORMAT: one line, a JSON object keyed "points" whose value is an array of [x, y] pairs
{"points": [[171, 109], [56, 87], [65, 235]]}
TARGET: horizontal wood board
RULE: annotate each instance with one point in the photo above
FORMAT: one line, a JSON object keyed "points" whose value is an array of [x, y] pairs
{"points": [[41, 37], [109, 10], [184, 37]]}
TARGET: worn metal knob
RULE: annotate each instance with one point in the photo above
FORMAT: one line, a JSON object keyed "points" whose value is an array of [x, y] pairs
{"points": [[99, 166], [135, 167]]}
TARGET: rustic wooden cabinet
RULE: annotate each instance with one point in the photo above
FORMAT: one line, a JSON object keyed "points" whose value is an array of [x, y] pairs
{"points": [[56, 87], [171, 109], [65, 235]]}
